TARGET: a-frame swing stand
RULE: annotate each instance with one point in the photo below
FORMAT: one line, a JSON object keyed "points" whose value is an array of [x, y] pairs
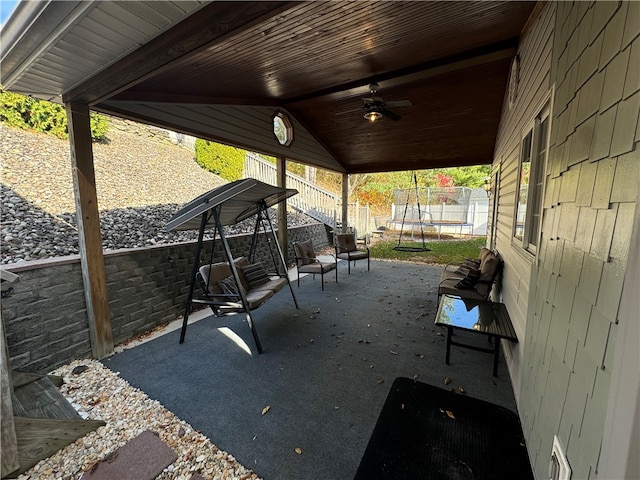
{"points": [[406, 248], [228, 205]]}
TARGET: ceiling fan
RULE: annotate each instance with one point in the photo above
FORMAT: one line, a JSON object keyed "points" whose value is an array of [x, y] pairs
{"points": [[375, 107]]}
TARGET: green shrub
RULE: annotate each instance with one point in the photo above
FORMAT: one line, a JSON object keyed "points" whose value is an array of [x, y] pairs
{"points": [[223, 160], [28, 113]]}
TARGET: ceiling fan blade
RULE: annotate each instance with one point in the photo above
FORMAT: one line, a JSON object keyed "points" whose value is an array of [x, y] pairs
{"points": [[399, 103], [344, 112], [388, 113], [372, 100]]}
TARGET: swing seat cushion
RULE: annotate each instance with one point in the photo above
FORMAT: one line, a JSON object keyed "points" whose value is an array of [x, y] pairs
{"points": [[256, 293]]}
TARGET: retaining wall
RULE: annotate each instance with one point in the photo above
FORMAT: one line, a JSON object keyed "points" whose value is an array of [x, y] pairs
{"points": [[45, 316]]}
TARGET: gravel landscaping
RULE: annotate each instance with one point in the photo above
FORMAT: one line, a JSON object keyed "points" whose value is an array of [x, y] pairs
{"points": [[100, 394], [142, 180]]}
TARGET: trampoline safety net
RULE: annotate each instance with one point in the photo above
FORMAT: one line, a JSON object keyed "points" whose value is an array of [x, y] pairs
{"points": [[440, 205]]}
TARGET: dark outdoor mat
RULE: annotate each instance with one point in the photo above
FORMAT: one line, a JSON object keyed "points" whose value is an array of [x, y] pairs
{"points": [[426, 432]]}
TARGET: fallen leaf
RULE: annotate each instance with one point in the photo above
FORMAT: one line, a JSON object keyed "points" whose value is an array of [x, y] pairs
{"points": [[298, 450], [450, 414], [380, 382], [460, 389], [266, 409], [447, 381], [392, 352]]}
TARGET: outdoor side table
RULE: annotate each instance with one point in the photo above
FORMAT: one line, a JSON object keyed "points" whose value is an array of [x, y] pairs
{"points": [[482, 317]]}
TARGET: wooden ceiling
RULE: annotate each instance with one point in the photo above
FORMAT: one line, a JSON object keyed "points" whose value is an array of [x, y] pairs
{"points": [[315, 60]]}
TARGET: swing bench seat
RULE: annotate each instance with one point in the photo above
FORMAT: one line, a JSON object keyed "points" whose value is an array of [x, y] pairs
{"points": [[257, 284]]}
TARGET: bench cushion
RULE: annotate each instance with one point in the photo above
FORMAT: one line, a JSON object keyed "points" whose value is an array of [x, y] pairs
{"points": [[451, 277], [220, 280], [255, 298], [480, 291], [489, 268]]}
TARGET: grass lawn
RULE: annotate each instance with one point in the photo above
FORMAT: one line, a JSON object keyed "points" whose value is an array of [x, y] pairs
{"points": [[442, 252]]}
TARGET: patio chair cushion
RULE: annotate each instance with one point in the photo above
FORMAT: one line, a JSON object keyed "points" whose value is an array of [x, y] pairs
{"points": [[305, 252], [357, 255], [255, 275], [317, 267], [346, 242]]}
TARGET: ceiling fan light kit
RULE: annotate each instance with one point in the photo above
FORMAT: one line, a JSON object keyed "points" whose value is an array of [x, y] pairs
{"points": [[372, 115], [375, 107]]}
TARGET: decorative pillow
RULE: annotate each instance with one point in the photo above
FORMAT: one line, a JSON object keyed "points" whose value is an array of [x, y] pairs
{"points": [[484, 252], [229, 286], [304, 251], [255, 274], [489, 269], [469, 280]]}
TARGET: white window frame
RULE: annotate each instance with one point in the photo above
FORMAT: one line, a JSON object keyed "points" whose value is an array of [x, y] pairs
{"points": [[537, 156], [288, 129]]}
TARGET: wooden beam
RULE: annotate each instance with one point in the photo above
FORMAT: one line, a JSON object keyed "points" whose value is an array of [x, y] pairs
{"points": [[283, 232], [39, 438], [93, 271], [345, 202], [9, 455], [434, 68], [160, 97], [204, 29]]}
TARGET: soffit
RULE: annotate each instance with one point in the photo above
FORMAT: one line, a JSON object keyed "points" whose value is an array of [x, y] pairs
{"points": [[315, 60]]}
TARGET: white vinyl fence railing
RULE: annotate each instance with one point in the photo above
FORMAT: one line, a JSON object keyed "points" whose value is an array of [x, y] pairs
{"points": [[318, 203]]}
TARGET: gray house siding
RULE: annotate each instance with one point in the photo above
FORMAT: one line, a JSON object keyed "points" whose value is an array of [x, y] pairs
{"points": [[575, 281], [534, 90]]}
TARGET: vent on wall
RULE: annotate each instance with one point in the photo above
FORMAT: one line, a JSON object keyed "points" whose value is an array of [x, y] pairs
{"points": [[559, 468]]}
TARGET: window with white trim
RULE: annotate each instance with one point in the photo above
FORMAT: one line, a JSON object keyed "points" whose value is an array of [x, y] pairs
{"points": [[283, 129], [533, 160]]}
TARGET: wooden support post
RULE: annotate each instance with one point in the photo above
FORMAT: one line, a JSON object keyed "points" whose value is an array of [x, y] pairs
{"points": [[283, 233], [93, 270], [345, 202], [9, 455]]}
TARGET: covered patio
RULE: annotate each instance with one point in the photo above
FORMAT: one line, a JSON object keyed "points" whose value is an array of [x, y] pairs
{"points": [[325, 371], [549, 89]]}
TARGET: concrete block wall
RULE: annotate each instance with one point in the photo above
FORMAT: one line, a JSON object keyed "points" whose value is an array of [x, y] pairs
{"points": [[590, 198], [45, 317]]}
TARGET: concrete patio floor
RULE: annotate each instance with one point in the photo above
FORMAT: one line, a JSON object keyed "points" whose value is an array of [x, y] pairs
{"points": [[325, 373]]}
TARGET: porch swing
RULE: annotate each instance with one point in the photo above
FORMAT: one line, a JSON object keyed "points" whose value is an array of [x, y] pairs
{"points": [[224, 206], [411, 248]]}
